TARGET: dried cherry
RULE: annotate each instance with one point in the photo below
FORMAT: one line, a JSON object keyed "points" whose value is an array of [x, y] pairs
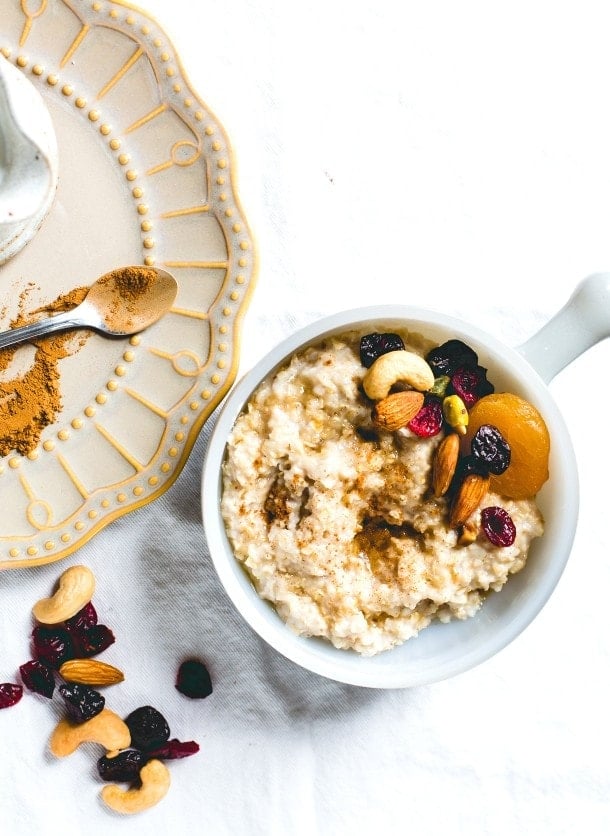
{"points": [[148, 728], [83, 620], [38, 677], [498, 526], [374, 345], [122, 767], [470, 383], [52, 645], [93, 640], [451, 355], [10, 694], [174, 749], [488, 445], [82, 702], [429, 419], [193, 679]]}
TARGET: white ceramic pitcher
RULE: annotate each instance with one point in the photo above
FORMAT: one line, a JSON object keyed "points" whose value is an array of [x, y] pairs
{"points": [[28, 160]]}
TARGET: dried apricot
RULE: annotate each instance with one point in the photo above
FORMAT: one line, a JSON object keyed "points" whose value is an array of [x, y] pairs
{"points": [[524, 429]]}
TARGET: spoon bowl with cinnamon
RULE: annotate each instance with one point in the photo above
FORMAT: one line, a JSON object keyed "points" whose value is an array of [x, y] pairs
{"points": [[120, 303]]}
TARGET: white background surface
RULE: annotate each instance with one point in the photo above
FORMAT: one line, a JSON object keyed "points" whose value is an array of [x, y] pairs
{"points": [[447, 155]]}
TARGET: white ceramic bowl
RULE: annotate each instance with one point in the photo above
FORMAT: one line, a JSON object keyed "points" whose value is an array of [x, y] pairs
{"points": [[441, 650]]}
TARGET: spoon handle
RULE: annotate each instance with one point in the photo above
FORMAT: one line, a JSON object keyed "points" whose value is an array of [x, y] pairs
{"points": [[51, 325]]}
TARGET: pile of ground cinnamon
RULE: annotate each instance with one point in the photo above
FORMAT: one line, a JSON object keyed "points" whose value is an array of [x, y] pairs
{"points": [[31, 401]]}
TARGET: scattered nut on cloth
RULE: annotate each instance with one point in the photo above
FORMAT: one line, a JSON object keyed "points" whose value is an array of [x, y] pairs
{"points": [[450, 156]]}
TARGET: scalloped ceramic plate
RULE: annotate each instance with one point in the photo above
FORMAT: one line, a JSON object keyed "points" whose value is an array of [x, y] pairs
{"points": [[145, 176]]}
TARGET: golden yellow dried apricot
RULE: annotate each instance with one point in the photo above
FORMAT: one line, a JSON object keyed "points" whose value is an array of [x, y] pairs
{"points": [[524, 429]]}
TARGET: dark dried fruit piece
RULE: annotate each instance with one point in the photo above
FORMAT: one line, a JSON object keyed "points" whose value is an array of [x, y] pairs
{"points": [[174, 749], [470, 383], [123, 767], [451, 355], [82, 702], [10, 694], [429, 419], [38, 677], [488, 445], [374, 345], [52, 645], [94, 640], [193, 679], [148, 728], [498, 526], [465, 466], [83, 620]]}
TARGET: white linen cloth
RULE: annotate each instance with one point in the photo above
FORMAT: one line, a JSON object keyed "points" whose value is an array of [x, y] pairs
{"points": [[447, 155]]}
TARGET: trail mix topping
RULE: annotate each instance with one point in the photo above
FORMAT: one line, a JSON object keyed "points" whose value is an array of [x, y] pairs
{"points": [[429, 420], [10, 694], [194, 680], [374, 345], [82, 702], [38, 678], [476, 455], [148, 727], [445, 359], [62, 653], [498, 526], [490, 448]]}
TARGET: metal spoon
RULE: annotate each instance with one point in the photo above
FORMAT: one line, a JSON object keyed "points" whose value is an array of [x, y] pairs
{"points": [[118, 304]]}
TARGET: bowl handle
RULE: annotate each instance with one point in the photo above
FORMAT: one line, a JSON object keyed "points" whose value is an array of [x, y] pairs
{"points": [[582, 322]]}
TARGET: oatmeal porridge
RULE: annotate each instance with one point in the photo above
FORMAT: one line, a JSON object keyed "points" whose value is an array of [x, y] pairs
{"points": [[341, 519]]}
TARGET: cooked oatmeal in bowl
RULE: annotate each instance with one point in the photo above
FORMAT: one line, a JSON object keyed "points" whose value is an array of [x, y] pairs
{"points": [[334, 516], [379, 521]]}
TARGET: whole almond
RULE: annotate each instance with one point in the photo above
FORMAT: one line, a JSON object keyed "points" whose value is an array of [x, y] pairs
{"points": [[445, 462], [469, 496], [396, 410], [90, 672]]}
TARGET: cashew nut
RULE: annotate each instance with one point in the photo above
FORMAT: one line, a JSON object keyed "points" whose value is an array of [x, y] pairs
{"points": [[106, 728], [155, 780], [75, 589], [395, 366]]}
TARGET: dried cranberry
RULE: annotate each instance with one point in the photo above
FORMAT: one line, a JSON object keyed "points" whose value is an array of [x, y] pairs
{"points": [[374, 345], [429, 419], [10, 694], [52, 645], [148, 728], [174, 749], [94, 640], [82, 702], [83, 620], [446, 358], [489, 446], [498, 526], [38, 677], [470, 383], [123, 767], [193, 679]]}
